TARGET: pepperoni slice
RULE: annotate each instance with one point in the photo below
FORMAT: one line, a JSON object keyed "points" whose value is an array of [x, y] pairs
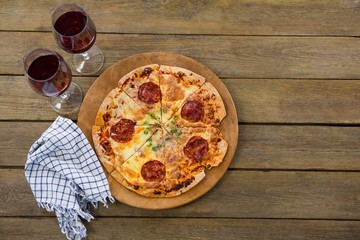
{"points": [[123, 131], [153, 171], [149, 92], [193, 111], [196, 148]]}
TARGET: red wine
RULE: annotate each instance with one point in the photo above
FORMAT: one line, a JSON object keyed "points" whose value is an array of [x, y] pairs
{"points": [[43, 67], [49, 75], [71, 23], [76, 32]]}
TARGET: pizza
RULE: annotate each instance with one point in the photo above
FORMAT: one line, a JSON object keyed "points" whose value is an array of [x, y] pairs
{"points": [[159, 130]]}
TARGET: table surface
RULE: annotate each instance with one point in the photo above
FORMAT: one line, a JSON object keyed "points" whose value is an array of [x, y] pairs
{"points": [[292, 68]]}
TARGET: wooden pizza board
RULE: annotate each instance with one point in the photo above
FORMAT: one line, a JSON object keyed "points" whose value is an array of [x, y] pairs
{"points": [[108, 80]]}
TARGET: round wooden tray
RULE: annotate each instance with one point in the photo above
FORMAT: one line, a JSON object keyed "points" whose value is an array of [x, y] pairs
{"points": [[108, 81]]}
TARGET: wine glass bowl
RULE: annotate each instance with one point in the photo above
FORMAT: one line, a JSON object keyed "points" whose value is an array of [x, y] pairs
{"points": [[71, 34], [47, 72], [75, 32], [48, 75]]}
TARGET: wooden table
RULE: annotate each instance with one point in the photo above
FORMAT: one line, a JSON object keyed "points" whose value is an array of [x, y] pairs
{"points": [[293, 70]]}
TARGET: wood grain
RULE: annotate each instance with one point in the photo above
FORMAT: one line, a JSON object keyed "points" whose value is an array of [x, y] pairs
{"points": [[240, 194], [292, 68], [259, 146], [227, 56], [298, 147], [296, 101], [256, 100], [19, 102], [230, 17], [162, 228]]}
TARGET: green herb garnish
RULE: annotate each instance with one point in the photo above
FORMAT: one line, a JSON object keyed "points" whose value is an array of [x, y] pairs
{"points": [[158, 146], [150, 142], [153, 116], [176, 132], [175, 118]]}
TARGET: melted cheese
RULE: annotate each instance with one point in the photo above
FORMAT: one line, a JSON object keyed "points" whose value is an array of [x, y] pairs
{"points": [[135, 163], [171, 88], [127, 149], [175, 91], [217, 145]]}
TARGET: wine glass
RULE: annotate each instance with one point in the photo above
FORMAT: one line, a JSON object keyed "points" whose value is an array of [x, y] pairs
{"points": [[48, 75], [75, 32]]}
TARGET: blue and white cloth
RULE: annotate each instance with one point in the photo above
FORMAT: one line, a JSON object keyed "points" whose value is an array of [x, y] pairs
{"points": [[66, 176]]}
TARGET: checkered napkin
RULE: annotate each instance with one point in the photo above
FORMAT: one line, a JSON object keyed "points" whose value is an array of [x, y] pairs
{"points": [[66, 177]]}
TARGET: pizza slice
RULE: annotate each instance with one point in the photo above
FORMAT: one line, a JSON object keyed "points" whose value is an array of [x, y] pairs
{"points": [[183, 173], [204, 107], [129, 173], [122, 139], [143, 87], [118, 105], [176, 85], [202, 144]]}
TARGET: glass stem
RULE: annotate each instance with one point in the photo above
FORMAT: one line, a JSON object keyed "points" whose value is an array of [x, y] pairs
{"points": [[65, 95], [85, 55]]}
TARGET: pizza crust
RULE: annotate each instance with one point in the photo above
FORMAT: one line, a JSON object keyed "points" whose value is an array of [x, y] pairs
{"points": [[104, 159], [198, 177], [158, 192], [193, 78], [105, 106], [217, 101], [136, 72], [219, 154]]}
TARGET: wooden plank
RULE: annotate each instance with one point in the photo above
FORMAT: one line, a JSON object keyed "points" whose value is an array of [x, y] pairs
{"points": [[178, 228], [229, 17], [295, 101], [259, 147], [14, 153], [21, 103], [240, 194], [227, 56], [256, 100], [297, 147]]}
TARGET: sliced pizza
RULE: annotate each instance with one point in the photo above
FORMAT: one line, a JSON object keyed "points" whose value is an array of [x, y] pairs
{"points": [[182, 171], [130, 173], [123, 139], [204, 107], [118, 105], [202, 144], [176, 85], [158, 130], [142, 85]]}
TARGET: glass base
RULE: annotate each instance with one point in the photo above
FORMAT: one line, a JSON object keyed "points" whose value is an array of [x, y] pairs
{"points": [[88, 62], [69, 101]]}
